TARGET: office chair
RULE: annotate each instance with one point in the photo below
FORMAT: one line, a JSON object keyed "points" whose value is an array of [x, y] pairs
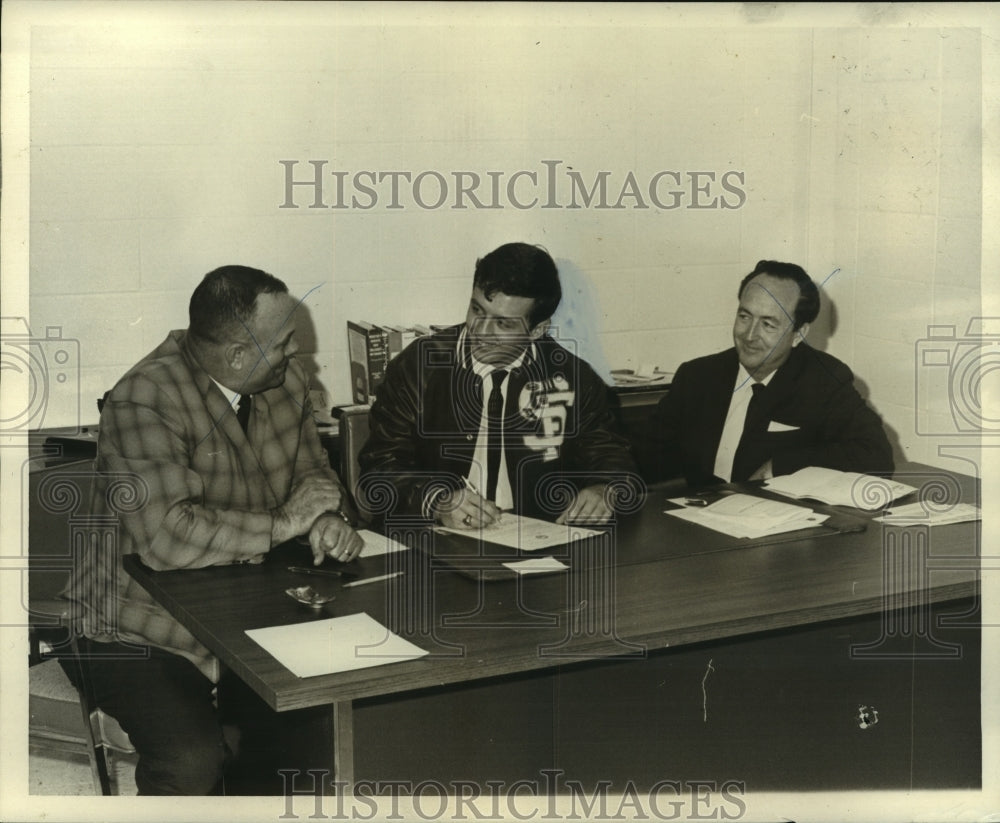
{"points": [[354, 432], [62, 719]]}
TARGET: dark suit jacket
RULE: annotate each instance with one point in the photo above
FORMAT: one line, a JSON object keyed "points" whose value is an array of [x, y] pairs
{"points": [[426, 416], [812, 393]]}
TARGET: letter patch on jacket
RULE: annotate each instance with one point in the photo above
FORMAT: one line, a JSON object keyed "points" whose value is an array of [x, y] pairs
{"points": [[545, 402]]}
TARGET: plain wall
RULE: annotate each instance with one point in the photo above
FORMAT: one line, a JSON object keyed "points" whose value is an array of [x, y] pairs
{"points": [[155, 156]]}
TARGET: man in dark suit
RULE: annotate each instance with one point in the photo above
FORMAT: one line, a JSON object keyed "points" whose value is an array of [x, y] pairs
{"points": [[494, 414], [770, 405]]}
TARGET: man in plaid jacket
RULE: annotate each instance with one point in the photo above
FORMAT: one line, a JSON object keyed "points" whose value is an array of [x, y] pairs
{"points": [[216, 489]]}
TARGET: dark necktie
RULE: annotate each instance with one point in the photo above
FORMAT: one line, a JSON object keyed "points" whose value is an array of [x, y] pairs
{"points": [[748, 458], [494, 434], [243, 410]]}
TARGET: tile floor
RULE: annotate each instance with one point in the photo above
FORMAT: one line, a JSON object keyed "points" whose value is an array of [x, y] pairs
{"points": [[71, 776]]}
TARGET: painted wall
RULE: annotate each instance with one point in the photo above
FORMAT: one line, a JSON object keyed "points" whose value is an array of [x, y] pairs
{"points": [[156, 154]]}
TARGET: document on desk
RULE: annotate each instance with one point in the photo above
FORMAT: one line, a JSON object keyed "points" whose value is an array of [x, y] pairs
{"points": [[837, 488], [743, 515], [526, 533], [340, 644], [916, 514], [376, 544], [537, 565]]}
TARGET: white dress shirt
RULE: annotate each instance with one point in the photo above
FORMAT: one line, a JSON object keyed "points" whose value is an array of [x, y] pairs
{"points": [[736, 417]]}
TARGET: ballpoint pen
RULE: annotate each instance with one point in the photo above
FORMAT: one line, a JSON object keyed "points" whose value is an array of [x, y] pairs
{"points": [[471, 487], [323, 572]]}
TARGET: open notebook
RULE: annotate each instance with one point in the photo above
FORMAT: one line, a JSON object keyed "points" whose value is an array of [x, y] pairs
{"points": [[836, 488]]}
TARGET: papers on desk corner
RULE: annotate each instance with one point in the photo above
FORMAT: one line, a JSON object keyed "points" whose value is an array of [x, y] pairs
{"points": [[340, 644], [376, 544], [743, 515], [526, 533], [836, 488], [916, 514], [537, 565]]}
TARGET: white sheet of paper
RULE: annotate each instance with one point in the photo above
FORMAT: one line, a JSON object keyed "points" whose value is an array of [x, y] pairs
{"points": [[340, 644], [527, 533], [746, 527], [838, 488], [376, 544], [914, 514], [536, 565]]}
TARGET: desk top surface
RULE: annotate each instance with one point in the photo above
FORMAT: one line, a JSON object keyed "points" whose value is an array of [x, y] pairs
{"points": [[651, 581]]}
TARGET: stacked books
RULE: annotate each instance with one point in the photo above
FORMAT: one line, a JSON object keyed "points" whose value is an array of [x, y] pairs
{"points": [[371, 347]]}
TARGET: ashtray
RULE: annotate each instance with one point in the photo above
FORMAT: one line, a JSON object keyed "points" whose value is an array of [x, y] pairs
{"points": [[308, 596]]}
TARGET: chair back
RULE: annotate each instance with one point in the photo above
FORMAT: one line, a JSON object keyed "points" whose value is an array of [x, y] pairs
{"points": [[354, 432]]}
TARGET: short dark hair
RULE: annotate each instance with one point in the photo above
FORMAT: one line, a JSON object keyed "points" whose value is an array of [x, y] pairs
{"points": [[521, 270], [807, 308], [223, 303]]}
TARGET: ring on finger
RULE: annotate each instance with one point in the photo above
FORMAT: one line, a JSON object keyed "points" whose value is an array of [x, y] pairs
{"points": [[467, 520]]}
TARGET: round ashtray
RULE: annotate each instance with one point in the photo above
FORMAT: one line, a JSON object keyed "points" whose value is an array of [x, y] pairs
{"points": [[308, 596]]}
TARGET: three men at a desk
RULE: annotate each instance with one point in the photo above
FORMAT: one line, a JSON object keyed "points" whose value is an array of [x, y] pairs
{"points": [[486, 416]]}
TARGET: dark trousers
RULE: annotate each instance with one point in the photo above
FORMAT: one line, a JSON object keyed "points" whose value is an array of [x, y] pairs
{"points": [[174, 717]]}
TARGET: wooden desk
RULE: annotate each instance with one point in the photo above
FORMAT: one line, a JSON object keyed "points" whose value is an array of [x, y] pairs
{"points": [[652, 583]]}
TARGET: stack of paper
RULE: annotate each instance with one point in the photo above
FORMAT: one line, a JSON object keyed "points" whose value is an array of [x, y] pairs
{"points": [[836, 488], [537, 565], [526, 533], [915, 514], [742, 515]]}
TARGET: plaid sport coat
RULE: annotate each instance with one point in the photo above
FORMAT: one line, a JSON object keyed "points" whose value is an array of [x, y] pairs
{"points": [[203, 488]]}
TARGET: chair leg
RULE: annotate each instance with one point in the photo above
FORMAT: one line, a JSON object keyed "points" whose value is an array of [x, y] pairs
{"points": [[100, 767]]}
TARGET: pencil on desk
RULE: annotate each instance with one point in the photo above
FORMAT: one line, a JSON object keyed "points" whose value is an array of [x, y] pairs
{"points": [[372, 579]]}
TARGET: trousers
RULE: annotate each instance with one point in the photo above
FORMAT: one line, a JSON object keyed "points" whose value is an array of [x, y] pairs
{"points": [[191, 736]]}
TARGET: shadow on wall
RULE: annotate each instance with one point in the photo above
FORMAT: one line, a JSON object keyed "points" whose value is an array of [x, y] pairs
{"points": [[825, 324], [577, 321], [305, 334], [820, 333]]}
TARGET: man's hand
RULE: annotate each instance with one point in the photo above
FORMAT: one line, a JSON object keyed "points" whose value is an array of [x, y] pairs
{"points": [[765, 472], [590, 506], [464, 509], [332, 536], [309, 499]]}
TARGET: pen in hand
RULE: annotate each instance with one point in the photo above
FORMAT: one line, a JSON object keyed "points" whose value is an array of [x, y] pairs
{"points": [[471, 487]]}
